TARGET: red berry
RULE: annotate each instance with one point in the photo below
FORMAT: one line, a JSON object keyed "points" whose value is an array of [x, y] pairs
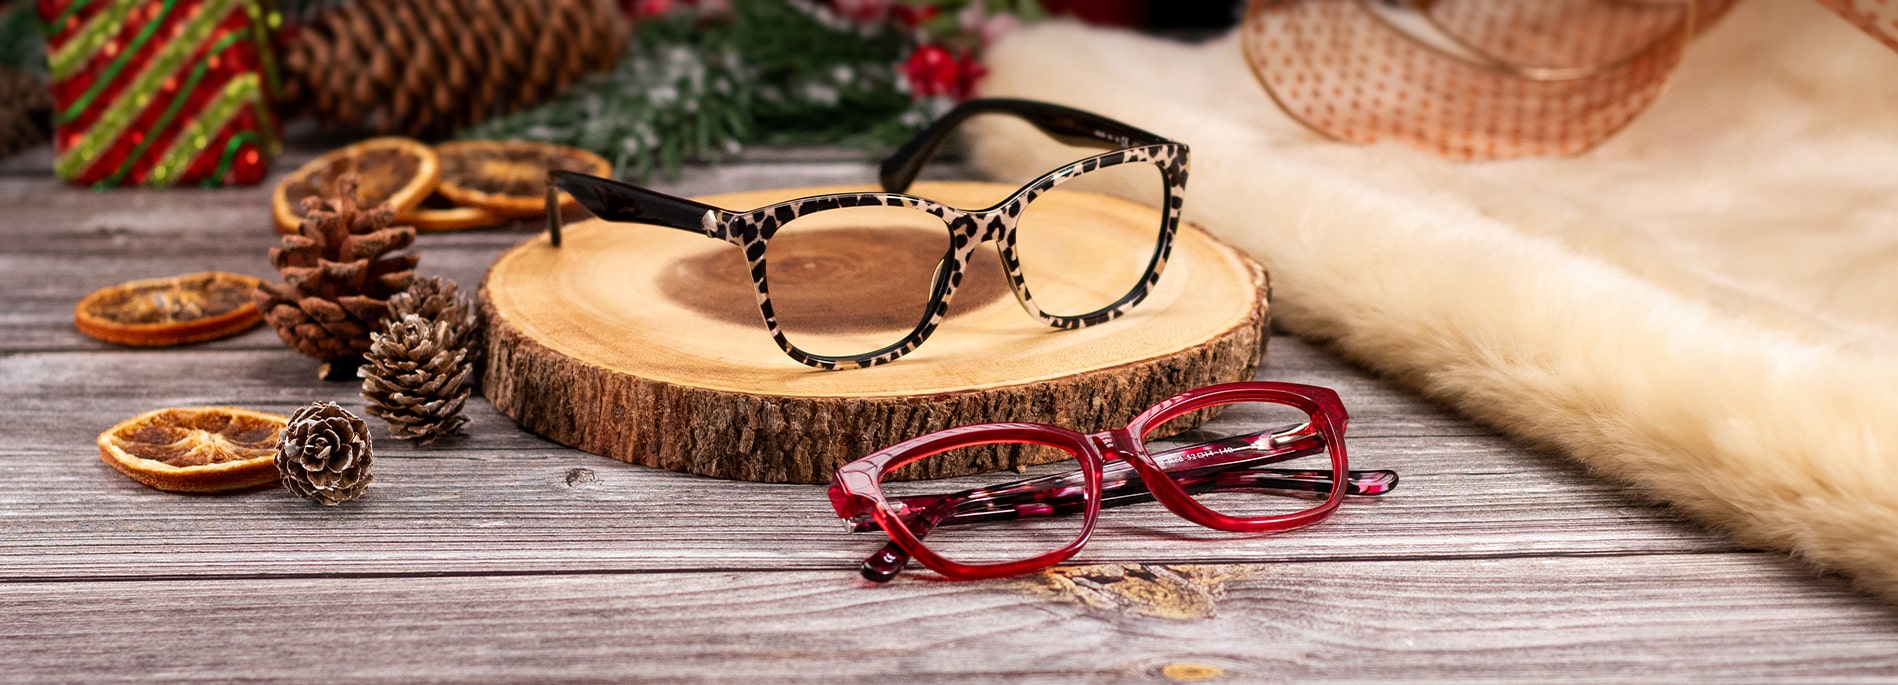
{"points": [[932, 70]]}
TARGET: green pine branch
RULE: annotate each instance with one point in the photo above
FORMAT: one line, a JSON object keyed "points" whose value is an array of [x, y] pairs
{"points": [[688, 91], [665, 104]]}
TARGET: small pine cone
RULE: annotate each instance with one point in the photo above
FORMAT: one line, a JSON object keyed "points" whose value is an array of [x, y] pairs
{"points": [[416, 379], [438, 299], [323, 454]]}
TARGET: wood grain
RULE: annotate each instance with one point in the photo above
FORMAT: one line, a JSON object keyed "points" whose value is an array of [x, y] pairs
{"points": [[481, 511], [502, 499], [1639, 618], [503, 557]]}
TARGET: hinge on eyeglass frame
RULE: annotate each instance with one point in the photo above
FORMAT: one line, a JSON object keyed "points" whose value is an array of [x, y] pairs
{"points": [[1297, 433]]}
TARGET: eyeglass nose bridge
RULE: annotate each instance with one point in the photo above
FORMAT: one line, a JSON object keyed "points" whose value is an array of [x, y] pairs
{"points": [[1115, 444]]}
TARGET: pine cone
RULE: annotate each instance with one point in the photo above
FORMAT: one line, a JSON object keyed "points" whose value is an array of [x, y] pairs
{"points": [[416, 378], [431, 67], [323, 454], [337, 283], [26, 112], [438, 299]]}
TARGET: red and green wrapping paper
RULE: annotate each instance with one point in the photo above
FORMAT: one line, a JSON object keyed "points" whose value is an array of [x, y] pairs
{"points": [[161, 92]]}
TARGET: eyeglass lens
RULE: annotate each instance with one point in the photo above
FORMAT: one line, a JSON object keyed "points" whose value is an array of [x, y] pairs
{"points": [[1079, 255], [992, 524], [1247, 460], [852, 280]]}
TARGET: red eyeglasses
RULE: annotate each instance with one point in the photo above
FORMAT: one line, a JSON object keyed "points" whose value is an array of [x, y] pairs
{"points": [[1218, 479]]}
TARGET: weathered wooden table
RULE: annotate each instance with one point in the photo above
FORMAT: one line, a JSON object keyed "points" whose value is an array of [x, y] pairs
{"points": [[504, 557]]}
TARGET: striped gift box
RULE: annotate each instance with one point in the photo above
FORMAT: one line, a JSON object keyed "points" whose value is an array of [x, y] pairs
{"points": [[161, 92]]}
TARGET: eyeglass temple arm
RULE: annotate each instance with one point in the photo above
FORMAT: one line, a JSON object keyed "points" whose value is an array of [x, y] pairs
{"points": [[1196, 468], [1066, 124], [622, 202]]}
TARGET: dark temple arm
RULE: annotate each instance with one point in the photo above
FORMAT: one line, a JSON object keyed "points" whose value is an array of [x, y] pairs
{"points": [[622, 202], [1066, 124]]}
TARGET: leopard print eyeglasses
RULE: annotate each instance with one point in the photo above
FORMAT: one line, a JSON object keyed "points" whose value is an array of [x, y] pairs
{"points": [[823, 253]]}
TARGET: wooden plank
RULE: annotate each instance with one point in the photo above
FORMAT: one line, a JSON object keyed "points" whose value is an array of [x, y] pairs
{"points": [[68, 397], [48, 215], [43, 287], [1724, 618], [500, 556], [64, 242], [478, 511], [42, 201], [33, 161], [503, 499]]}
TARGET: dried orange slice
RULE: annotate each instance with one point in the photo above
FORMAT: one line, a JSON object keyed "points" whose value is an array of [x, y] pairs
{"points": [[509, 177], [399, 171], [170, 311], [196, 449], [437, 213]]}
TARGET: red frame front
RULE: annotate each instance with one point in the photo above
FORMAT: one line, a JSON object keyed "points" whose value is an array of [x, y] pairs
{"points": [[856, 490]]}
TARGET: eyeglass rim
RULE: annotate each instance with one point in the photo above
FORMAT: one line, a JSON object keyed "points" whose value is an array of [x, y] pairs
{"points": [[616, 202], [1031, 433], [968, 230], [857, 486]]}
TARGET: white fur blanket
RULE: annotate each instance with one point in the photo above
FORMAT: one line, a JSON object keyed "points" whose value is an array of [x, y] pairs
{"points": [[1704, 308]]}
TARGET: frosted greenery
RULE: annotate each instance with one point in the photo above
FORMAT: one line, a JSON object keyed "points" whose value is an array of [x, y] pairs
{"points": [[697, 88]]}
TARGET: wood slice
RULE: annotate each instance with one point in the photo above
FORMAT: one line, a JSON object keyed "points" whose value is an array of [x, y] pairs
{"points": [[645, 344]]}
